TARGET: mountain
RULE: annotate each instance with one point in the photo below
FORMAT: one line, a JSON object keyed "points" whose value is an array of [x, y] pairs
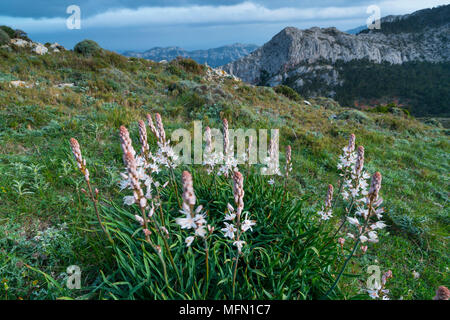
{"points": [[214, 57], [356, 30], [330, 62]]}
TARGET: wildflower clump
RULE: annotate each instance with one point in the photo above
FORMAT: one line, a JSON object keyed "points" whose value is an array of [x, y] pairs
{"points": [[156, 209]]}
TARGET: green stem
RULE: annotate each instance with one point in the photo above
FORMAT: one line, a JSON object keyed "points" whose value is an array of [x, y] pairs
{"points": [[207, 266], [166, 245], [351, 254], [238, 224], [94, 201], [174, 185]]}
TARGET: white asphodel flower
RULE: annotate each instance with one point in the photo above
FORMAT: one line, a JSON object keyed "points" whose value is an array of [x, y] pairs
{"points": [[139, 219], [353, 221], [373, 237], [362, 212], [123, 184], [199, 219], [247, 224], [128, 200], [363, 239], [186, 223], [200, 231], [239, 244], [378, 225], [373, 294], [189, 241], [271, 181], [325, 215], [230, 216], [229, 230]]}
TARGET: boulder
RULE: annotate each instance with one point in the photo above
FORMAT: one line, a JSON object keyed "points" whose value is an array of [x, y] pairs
{"points": [[40, 49]]}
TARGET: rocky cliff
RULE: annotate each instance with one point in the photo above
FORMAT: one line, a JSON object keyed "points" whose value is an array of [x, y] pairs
{"points": [[294, 52], [326, 61]]}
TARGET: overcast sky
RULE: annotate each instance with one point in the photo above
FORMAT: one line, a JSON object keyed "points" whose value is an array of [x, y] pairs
{"points": [[192, 24]]}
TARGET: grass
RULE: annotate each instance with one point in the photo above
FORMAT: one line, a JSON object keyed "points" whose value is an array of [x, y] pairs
{"points": [[40, 188]]}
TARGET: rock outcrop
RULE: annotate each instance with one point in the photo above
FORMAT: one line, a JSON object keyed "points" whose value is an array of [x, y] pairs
{"points": [[302, 55], [296, 52]]}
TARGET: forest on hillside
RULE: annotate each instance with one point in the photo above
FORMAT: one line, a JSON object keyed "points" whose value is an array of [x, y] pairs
{"points": [[416, 22], [423, 87]]}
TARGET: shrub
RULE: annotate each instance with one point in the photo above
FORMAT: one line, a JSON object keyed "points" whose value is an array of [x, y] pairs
{"points": [[390, 108], [189, 65], [433, 122], [354, 115], [4, 38], [21, 35], [87, 48], [288, 92], [8, 30]]}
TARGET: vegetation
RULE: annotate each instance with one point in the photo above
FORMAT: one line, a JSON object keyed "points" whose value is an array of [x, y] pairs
{"points": [[422, 86], [4, 38], [390, 108], [48, 223], [87, 47], [288, 92], [426, 18]]}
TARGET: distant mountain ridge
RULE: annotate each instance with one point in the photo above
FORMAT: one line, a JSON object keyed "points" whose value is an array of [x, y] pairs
{"points": [[315, 61], [213, 57]]}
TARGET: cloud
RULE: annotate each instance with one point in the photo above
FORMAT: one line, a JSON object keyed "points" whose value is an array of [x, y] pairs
{"points": [[242, 13]]}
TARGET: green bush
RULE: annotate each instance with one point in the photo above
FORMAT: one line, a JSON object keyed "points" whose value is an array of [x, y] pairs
{"points": [[390, 108], [354, 115], [8, 30], [288, 92], [4, 38], [21, 35], [189, 65], [87, 47]]}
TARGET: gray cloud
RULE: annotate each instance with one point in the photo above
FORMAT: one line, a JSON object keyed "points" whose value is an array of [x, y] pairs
{"points": [[57, 8]]}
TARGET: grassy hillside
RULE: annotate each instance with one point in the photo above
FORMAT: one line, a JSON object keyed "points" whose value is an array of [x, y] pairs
{"points": [[40, 186]]}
